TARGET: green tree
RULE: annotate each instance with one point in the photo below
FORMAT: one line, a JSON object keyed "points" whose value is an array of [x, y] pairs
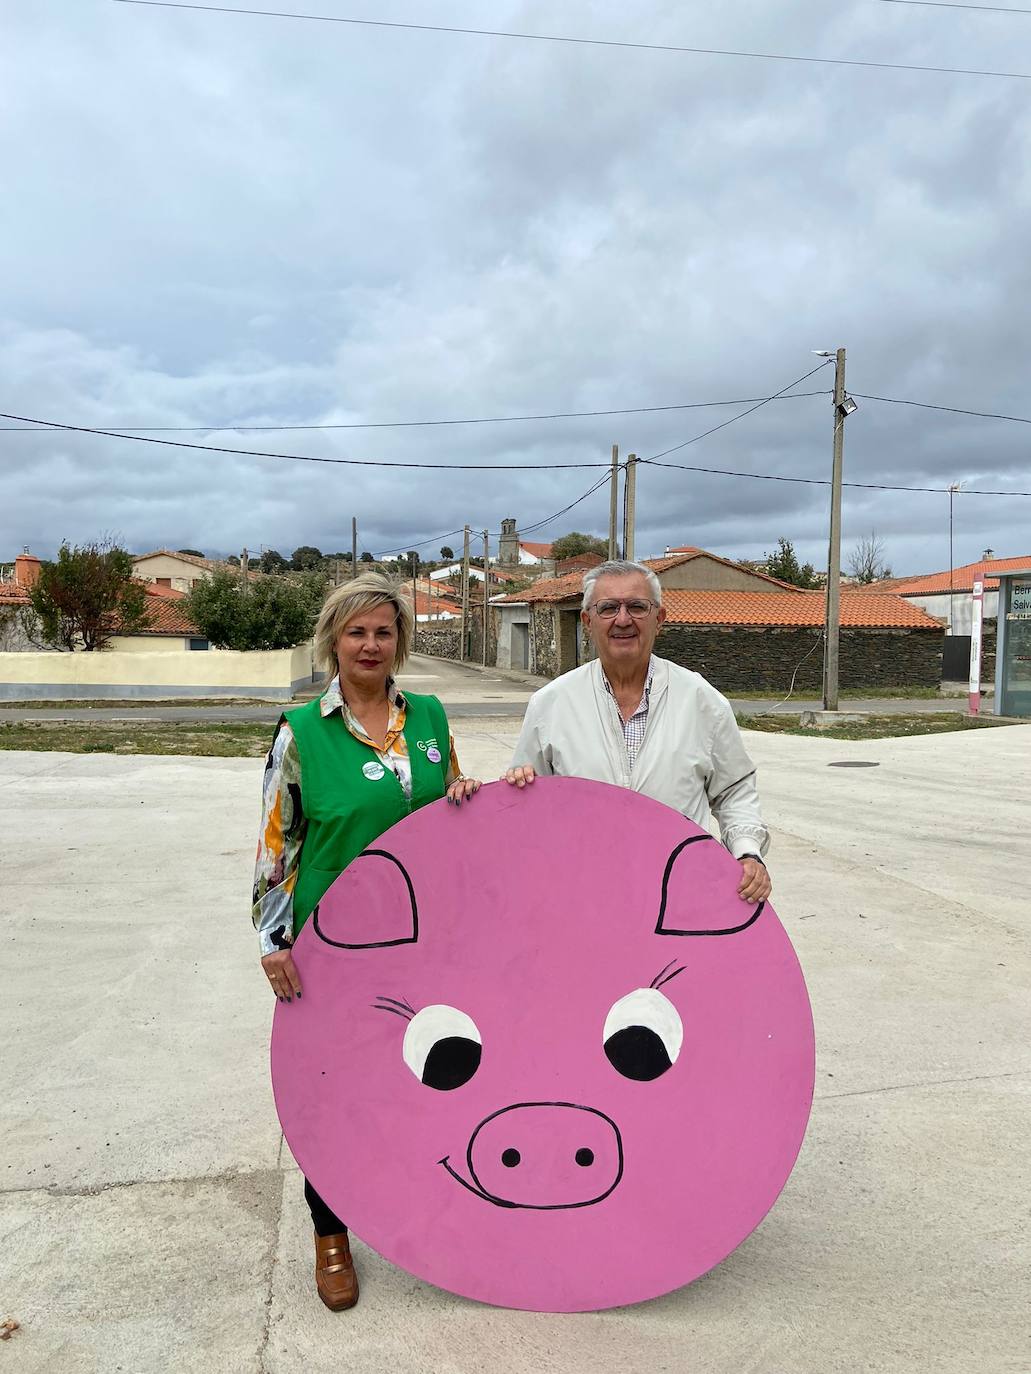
{"points": [[269, 613], [271, 561], [366, 557], [569, 545], [784, 565], [306, 558], [86, 597], [448, 554], [196, 552]]}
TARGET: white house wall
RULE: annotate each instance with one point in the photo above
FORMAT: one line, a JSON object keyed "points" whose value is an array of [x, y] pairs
{"points": [[938, 606]]}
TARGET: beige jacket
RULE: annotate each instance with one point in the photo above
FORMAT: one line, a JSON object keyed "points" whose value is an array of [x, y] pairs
{"points": [[692, 757]]}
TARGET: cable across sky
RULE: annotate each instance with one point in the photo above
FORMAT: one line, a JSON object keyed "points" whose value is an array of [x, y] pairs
{"points": [[741, 53]]}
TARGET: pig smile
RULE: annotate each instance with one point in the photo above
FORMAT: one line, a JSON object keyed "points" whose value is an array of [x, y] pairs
{"points": [[543, 1156]]}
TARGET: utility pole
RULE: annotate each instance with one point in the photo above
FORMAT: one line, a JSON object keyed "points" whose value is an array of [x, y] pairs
{"points": [[486, 559], [465, 596], [354, 546], [243, 573], [613, 501], [832, 625], [414, 559], [953, 488], [629, 512]]}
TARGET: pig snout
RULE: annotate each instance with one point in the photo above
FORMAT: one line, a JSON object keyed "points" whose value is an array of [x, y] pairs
{"points": [[546, 1155]]}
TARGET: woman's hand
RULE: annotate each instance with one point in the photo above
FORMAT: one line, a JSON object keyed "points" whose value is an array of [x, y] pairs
{"points": [[282, 974], [461, 789], [519, 776]]}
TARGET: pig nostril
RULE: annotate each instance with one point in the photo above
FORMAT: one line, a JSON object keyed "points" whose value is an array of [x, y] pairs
{"points": [[585, 1158], [510, 1158]]}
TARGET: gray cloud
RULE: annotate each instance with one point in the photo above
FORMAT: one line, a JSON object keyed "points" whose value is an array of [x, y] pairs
{"points": [[221, 220]]}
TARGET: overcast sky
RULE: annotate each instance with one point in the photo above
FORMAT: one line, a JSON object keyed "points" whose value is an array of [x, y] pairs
{"points": [[219, 220]]}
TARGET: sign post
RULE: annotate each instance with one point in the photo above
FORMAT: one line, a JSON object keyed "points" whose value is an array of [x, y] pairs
{"points": [[977, 611]]}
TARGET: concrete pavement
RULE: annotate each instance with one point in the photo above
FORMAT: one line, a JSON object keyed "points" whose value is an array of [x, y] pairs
{"points": [[151, 1219]]}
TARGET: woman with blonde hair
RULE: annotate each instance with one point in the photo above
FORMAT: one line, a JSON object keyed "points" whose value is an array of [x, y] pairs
{"points": [[343, 769]]}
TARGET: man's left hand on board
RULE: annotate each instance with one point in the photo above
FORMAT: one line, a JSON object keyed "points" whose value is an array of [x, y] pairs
{"points": [[461, 790], [755, 882]]}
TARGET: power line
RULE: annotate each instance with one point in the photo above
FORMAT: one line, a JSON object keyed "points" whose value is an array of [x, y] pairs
{"points": [[951, 410], [297, 457], [588, 42], [528, 529], [954, 5], [824, 482], [43, 426], [741, 416]]}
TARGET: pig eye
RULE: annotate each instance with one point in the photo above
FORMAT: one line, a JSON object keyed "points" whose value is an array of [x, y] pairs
{"points": [[643, 1034], [442, 1047]]}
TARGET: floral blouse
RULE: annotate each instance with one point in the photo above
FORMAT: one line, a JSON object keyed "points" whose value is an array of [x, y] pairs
{"points": [[283, 823]]}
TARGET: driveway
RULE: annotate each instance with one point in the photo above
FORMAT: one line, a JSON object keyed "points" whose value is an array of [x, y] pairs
{"points": [[152, 1220]]}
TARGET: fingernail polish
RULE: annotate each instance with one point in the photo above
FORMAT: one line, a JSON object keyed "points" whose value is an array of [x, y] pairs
{"points": [[298, 997], [289, 999], [280, 999]]}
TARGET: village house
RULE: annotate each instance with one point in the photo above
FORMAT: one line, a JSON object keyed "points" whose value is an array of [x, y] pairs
{"points": [[741, 628]]}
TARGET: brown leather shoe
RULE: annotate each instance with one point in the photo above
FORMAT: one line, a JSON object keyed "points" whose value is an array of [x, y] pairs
{"points": [[334, 1272]]}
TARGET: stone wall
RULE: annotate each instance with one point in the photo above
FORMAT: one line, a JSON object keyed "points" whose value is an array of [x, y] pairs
{"points": [[441, 641], [543, 644], [738, 660], [476, 635]]}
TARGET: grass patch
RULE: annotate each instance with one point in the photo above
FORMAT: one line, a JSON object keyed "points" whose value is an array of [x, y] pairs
{"points": [[850, 694], [138, 703], [874, 726], [249, 739]]}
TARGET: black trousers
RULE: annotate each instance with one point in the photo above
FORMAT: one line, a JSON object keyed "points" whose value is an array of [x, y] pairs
{"points": [[325, 1221]]}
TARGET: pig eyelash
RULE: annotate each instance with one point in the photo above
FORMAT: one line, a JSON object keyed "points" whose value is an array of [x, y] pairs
{"points": [[401, 1009], [664, 975]]}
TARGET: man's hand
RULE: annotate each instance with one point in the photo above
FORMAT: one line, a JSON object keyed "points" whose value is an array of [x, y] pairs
{"points": [[755, 881], [461, 789], [519, 776], [282, 974]]}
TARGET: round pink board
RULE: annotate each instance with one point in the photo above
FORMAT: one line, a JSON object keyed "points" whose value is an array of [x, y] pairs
{"points": [[545, 1056]]}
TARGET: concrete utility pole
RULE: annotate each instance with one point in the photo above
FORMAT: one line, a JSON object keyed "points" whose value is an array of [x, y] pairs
{"points": [[486, 560], [354, 546], [832, 623], [465, 597], [629, 507], [613, 501]]}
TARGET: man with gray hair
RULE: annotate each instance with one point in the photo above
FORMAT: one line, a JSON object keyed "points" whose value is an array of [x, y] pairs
{"points": [[639, 721]]}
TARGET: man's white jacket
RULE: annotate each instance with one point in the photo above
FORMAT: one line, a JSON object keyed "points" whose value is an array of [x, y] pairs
{"points": [[692, 757]]}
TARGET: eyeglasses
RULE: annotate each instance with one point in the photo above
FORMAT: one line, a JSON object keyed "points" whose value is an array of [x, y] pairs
{"points": [[608, 610]]}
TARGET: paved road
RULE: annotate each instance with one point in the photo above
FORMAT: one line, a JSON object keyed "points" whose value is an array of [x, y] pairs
{"points": [[151, 1219], [466, 692]]}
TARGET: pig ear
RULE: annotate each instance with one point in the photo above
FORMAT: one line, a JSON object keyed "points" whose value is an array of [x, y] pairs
{"points": [[699, 896], [370, 906]]}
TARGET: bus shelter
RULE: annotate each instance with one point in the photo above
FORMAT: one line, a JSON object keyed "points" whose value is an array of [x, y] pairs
{"points": [[1013, 645]]}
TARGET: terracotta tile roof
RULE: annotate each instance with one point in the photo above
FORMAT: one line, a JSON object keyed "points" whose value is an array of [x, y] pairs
{"points": [[13, 595], [960, 579], [167, 617], [171, 593], [858, 610], [538, 550], [677, 556], [549, 589]]}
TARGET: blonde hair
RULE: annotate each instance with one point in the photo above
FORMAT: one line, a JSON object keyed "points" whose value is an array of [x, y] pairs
{"points": [[363, 593]]}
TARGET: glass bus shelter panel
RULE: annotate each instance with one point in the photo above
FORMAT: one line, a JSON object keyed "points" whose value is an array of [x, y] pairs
{"points": [[1015, 697]]}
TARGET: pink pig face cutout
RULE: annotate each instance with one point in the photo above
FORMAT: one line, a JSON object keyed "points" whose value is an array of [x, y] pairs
{"points": [[546, 1057]]}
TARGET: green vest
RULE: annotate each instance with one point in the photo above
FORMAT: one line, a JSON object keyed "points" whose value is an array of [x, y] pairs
{"points": [[349, 798]]}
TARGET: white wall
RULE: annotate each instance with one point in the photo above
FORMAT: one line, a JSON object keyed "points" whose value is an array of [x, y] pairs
{"points": [[938, 605], [272, 676]]}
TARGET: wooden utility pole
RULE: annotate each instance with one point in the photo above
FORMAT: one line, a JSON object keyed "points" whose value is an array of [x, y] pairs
{"points": [[354, 546], [243, 572], [833, 615], [465, 596], [486, 560], [415, 599], [629, 509], [613, 501]]}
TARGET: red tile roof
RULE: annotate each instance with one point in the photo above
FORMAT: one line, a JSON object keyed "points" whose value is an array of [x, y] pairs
{"points": [[677, 556], [960, 579], [538, 550], [549, 589], [166, 615], [858, 610]]}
